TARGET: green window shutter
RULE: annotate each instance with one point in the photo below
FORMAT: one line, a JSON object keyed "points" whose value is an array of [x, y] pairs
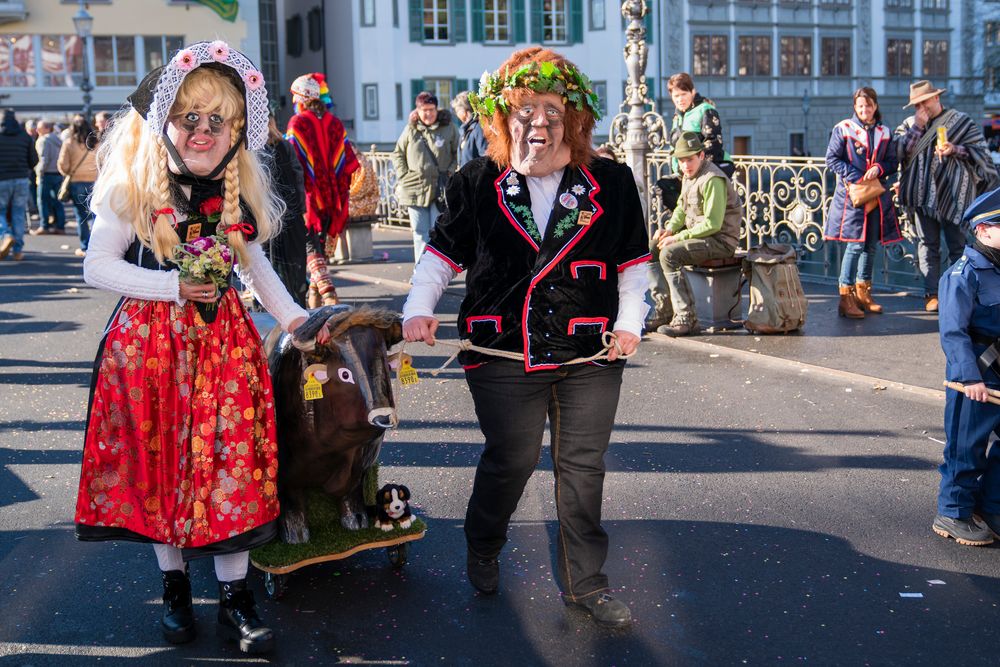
{"points": [[461, 85], [477, 21], [575, 21], [517, 17], [459, 31], [416, 87], [651, 90], [536, 22], [416, 20], [649, 25]]}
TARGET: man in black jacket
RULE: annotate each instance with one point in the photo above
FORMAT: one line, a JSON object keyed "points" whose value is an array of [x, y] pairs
{"points": [[17, 159]]}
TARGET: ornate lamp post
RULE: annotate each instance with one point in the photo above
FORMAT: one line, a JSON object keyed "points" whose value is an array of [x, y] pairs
{"points": [[84, 23], [805, 123], [634, 129]]}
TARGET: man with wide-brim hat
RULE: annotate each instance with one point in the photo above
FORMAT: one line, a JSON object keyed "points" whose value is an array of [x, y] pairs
{"points": [[921, 91], [705, 225], [945, 164]]}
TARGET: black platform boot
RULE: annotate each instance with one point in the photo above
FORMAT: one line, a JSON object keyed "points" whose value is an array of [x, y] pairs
{"points": [[178, 614], [238, 619]]}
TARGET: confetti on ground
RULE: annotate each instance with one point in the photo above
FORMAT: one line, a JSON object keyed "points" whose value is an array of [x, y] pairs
{"points": [[911, 595]]}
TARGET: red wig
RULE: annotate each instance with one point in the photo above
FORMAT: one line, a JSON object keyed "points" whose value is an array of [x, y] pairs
{"points": [[578, 124]]}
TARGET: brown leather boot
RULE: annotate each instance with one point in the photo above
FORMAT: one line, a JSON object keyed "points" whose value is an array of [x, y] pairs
{"points": [[863, 291], [848, 306]]}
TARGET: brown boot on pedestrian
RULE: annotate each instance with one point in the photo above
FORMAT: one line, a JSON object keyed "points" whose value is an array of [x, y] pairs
{"points": [[5, 245], [931, 303], [863, 291], [848, 306]]}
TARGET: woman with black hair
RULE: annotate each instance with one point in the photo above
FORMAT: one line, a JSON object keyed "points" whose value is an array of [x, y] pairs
{"points": [[861, 151], [77, 160]]}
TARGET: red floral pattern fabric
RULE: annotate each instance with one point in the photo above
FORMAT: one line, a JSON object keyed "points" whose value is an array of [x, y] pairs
{"points": [[181, 445]]}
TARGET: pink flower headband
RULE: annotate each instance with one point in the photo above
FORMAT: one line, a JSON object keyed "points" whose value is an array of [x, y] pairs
{"points": [[214, 54]]}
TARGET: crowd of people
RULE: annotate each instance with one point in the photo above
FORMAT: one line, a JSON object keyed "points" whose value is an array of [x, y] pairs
{"points": [[559, 260]]}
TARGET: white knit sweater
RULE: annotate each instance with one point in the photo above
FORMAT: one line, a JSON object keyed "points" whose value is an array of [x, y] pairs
{"points": [[105, 267]]}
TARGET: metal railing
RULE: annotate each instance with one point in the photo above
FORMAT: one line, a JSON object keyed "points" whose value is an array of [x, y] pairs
{"points": [[389, 210], [785, 200]]}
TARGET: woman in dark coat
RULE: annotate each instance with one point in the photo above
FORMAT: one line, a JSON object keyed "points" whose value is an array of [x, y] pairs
{"points": [[861, 149], [287, 250]]}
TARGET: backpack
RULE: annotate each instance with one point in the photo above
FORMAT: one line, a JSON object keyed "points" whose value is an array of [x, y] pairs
{"points": [[777, 302]]}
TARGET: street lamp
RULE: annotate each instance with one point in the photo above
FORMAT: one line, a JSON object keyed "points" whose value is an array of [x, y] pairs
{"points": [[84, 23], [805, 122]]}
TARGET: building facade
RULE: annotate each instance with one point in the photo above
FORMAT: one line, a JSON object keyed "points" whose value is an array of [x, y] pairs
{"points": [[379, 54], [41, 57], [781, 71]]}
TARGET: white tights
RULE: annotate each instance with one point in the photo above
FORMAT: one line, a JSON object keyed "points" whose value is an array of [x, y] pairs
{"points": [[230, 567]]}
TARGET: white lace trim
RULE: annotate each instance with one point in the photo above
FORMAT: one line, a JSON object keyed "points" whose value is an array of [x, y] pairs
{"points": [[199, 53]]}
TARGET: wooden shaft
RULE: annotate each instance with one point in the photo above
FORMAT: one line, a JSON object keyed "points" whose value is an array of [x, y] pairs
{"points": [[994, 395]]}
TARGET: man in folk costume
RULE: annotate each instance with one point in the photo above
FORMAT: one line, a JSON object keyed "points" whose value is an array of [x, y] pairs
{"points": [[328, 161], [180, 447], [945, 165]]}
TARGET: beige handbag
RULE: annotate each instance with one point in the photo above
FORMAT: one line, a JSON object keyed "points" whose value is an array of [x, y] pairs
{"points": [[64, 194]]}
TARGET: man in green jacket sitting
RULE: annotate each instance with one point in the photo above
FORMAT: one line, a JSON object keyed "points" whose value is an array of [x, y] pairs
{"points": [[705, 225]]}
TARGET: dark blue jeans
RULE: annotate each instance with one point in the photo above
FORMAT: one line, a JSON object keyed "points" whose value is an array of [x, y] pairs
{"points": [[14, 198], [84, 216], [579, 403], [48, 203], [970, 478]]}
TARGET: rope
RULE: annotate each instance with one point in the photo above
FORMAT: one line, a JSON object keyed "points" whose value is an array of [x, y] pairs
{"points": [[608, 340]]}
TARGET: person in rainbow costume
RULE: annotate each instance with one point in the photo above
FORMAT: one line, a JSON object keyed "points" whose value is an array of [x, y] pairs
{"points": [[328, 160]]}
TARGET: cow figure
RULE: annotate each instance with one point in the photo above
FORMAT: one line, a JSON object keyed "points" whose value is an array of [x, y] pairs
{"points": [[329, 442]]}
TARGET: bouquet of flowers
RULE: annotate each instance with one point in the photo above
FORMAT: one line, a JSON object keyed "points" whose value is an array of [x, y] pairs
{"points": [[205, 259]]}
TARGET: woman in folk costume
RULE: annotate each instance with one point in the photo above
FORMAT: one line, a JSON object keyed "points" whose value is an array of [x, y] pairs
{"points": [[555, 243], [861, 152], [180, 448], [328, 161]]}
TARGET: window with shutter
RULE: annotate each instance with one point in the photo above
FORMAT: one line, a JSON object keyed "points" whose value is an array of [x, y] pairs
{"points": [[436, 27]]}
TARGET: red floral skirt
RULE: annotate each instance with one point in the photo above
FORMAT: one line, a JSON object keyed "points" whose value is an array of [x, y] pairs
{"points": [[181, 446]]}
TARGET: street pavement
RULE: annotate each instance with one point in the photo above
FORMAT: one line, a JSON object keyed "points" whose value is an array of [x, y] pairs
{"points": [[768, 501]]}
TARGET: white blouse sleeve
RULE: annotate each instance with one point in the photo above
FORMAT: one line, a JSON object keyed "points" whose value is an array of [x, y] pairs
{"points": [[105, 266], [430, 278], [632, 306], [261, 279]]}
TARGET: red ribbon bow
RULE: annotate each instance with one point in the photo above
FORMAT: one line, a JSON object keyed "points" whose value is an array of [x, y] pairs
{"points": [[241, 226], [164, 211]]}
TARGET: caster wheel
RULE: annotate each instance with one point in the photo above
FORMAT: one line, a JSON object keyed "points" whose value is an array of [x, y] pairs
{"points": [[275, 585], [397, 555]]}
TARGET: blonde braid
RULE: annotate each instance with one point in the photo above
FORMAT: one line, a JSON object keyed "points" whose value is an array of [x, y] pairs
{"points": [[164, 237], [231, 213]]}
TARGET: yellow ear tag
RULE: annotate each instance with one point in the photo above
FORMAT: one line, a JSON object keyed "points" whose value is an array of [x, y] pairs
{"points": [[407, 375], [313, 388]]}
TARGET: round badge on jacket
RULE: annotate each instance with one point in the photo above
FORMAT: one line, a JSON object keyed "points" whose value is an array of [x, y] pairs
{"points": [[568, 201]]}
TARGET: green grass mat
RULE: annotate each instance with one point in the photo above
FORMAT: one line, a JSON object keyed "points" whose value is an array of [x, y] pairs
{"points": [[326, 536]]}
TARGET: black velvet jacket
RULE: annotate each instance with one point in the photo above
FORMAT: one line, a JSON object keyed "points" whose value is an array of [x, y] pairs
{"points": [[553, 297]]}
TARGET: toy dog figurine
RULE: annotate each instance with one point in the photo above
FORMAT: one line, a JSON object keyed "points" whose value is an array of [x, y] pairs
{"points": [[393, 507]]}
